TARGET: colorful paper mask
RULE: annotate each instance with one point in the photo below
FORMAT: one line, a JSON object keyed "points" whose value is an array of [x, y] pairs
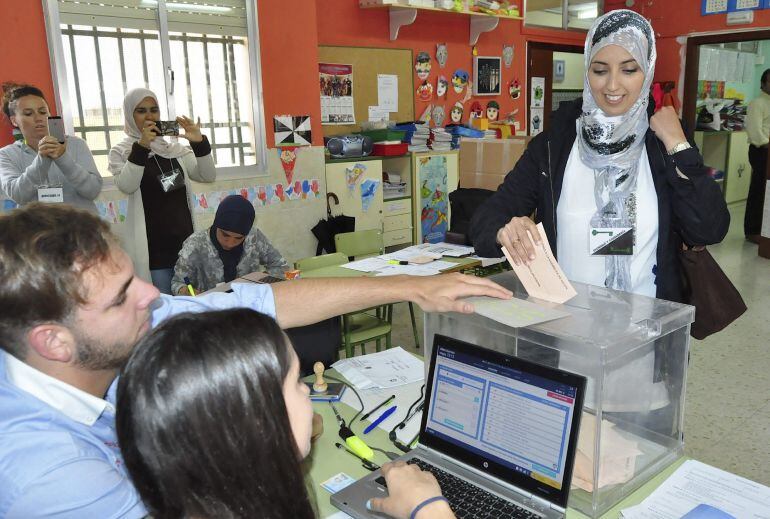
{"points": [[422, 65], [459, 80], [441, 87], [493, 110], [425, 91], [438, 115], [456, 114], [514, 89], [507, 55], [441, 54], [476, 112]]}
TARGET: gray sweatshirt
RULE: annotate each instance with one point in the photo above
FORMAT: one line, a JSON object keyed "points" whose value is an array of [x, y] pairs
{"points": [[23, 170], [199, 261]]}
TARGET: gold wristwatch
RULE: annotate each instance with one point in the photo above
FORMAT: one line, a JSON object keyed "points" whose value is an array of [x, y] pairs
{"points": [[684, 145]]}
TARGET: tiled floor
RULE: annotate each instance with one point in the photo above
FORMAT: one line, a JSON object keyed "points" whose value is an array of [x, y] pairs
{"points": [[727, 418]]}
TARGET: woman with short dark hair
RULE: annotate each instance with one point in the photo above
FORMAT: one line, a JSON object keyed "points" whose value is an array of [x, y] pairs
{"points": [[213, 421], [38, 166]]}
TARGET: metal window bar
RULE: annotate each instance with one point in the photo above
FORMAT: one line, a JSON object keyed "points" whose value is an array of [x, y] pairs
{"points": [[102, 99], [228, 95], [234, 93], [208, 89], [77, 81], [234, 124]]}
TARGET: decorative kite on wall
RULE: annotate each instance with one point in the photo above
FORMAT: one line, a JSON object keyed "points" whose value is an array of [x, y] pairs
{"points": [[292, 130]]}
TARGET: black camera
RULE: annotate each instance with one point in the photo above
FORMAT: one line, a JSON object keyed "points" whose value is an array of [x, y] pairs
{"points": [[170, 128]]}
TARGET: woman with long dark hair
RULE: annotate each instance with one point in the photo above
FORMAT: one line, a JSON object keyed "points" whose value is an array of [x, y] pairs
{"points": [[213, 421]]}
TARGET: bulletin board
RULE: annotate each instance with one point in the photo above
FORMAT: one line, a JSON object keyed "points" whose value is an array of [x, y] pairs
{"points": [[367, 62]]}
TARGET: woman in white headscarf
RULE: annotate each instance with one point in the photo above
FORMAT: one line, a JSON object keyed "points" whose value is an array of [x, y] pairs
{"points": [[156, 175], [607, 164]]}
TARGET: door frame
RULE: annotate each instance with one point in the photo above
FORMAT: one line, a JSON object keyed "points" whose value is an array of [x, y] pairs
{"points": [[692, 62], [553, 47]]}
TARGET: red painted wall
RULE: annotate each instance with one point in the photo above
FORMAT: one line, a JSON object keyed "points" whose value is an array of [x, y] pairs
{"points": [[674, 18], [23, 52], [343, 22]]}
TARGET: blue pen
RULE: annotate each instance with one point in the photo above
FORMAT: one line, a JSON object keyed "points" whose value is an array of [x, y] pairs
{"points": [[380, 419]]}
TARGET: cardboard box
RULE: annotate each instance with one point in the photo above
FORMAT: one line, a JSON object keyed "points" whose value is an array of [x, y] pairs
{"points": [[485, 162]]}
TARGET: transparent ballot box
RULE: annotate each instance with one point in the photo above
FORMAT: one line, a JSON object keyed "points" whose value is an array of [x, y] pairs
{"points": [[633, 350]]}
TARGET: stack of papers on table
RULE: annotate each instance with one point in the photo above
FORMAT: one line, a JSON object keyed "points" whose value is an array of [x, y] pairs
{"points": [[382, 266], [695, 484], [384, 369], [406, 395]]}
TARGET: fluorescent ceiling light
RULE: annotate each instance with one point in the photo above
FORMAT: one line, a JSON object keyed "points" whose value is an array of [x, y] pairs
{"points": [[191, 7]]}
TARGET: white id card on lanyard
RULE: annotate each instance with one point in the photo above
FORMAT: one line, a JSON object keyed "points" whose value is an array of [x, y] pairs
{"points": [[50, 194], [611, 241]]}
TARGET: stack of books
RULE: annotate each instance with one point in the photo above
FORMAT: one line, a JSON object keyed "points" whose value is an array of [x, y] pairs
{"points": [[419, 138], [440, 140], [459, 131]]}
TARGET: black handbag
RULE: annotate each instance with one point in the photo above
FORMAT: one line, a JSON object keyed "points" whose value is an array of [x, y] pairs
{"points": [[706, 287]]}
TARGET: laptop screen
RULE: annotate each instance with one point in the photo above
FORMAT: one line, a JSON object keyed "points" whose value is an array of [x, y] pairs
{"points": [[511, 418]]}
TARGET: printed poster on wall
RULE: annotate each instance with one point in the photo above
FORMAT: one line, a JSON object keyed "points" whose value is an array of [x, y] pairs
{"points": [[434, 207], [336, 89], [537, 95]]}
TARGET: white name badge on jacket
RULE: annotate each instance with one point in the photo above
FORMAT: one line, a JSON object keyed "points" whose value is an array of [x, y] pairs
{"points": [[50, 194], [611, 241]]}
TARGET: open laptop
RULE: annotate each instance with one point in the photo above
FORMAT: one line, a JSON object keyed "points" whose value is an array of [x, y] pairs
{"points": [[498, 432]]}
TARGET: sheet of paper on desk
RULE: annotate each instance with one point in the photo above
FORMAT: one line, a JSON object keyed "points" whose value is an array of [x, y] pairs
{"points": [[543, 278], [385, 369], [367, 264], [450, 249], [514, 312], [695, 483], [405, 395], [428, 269]]}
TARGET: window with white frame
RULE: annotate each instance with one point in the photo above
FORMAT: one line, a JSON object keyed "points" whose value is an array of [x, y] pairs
{"points": [[200, 57], [563, 14]]}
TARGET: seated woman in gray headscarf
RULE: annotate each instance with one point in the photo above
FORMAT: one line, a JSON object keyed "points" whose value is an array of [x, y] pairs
{"points": [[230, 248], [608, 165]]}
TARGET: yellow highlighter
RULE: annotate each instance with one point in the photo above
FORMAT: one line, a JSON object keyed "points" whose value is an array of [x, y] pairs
{"points": [[189, 286]]}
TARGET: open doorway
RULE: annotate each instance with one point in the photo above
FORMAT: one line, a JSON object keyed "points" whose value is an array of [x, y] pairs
{"points": [[554, 74], [722, 76]]}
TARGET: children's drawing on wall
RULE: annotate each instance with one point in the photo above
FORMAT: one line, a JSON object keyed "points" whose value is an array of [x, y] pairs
{"points": [[432, 176], [425, 91], [353, 175], [537, 95], [336, 88], [536, 121], [422, 65], [441, 54], [112, 211], [514, 89], [259, 196], [288, 156], [292, 130], [368, 190]]}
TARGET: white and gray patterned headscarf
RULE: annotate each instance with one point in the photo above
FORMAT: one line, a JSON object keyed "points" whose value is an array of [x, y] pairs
{"points": [[612, 145]]}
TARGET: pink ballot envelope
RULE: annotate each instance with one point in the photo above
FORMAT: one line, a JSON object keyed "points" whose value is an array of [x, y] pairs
{"points": [[543, 278]]}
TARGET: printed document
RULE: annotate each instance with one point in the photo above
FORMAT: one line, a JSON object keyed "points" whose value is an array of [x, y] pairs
{"points": [[696, 483], [543, 278], [389, 368]]}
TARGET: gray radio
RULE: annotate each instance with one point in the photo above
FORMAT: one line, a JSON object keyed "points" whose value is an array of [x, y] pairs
{"points": [[347, 146]]}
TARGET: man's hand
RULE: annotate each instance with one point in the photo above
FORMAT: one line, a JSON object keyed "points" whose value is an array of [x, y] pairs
{"points": [[318, 427], [408, 486], [517, 237], [444, 293]]}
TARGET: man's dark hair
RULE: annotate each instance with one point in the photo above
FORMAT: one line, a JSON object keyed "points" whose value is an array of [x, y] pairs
{"points": [[202, 422], [12, 92], [765, 77], [44, 251]]}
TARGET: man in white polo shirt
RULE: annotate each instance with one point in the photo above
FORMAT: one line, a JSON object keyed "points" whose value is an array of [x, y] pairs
{"points": [[758, 130], [71, 311]]}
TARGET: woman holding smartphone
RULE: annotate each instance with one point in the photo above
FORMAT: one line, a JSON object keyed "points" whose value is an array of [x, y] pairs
{"points": [[156, 175], [40, 167]]}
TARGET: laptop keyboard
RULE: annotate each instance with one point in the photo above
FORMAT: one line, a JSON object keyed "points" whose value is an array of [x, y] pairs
{"points": [[469, 500]]}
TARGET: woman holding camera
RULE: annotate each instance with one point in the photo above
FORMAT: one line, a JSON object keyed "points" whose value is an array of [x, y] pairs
{"points": [[156, 175], [39, 167]]}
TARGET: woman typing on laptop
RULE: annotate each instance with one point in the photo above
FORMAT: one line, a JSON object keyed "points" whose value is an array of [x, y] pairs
{"points": [[214, 421]]}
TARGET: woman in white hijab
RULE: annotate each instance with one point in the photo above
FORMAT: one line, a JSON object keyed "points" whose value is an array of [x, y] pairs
{"points": [[156, 175], [608, 165]]}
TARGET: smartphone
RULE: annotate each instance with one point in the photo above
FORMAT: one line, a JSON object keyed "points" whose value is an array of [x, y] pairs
{"points": [[56, 128], [170, 128]]}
